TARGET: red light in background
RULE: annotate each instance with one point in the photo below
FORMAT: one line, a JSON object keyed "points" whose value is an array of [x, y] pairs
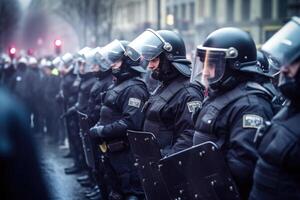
{"points": [[12, 50], [57, 43]]}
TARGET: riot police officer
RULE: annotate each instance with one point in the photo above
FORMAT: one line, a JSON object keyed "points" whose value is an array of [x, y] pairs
{"points": [[277, 171], [268, 78], [168, 111], [67, 97], [34, 81], [104, 77], [236, 105], [7, 71], [120, 111], [103, 73]]}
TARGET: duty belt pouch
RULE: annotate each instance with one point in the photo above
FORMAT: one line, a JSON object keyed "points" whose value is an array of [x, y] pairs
{"points": [[117, 146]]}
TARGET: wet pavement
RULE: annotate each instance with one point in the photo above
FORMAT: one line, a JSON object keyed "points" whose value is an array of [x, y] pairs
{"points": [[61, 186]]}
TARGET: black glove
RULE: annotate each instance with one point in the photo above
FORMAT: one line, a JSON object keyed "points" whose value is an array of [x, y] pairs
{"points": [[96, 131]]}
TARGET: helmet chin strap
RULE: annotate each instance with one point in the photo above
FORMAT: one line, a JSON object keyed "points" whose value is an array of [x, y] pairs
{"points": [[228, 81], [166, 71], [124, 72]]}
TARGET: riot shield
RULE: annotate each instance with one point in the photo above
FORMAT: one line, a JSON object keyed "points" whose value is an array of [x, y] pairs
{"points": [[145, 149], [199, 172], [87, 143]]}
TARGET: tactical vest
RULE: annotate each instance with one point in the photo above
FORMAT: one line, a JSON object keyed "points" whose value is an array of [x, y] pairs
{"points": [[100, 85], [84, 92], [205, 122], [281, 179], [153, 122], [110, 111]]}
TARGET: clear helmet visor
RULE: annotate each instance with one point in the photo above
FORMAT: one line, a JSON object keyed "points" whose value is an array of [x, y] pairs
{"points": [[146, 46], [57, 62], [209, 65], [80, 65], [109, 54], [284, 45], [90, 57]]}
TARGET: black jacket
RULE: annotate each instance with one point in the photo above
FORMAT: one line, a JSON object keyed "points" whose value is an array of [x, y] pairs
{"points": [[231, 119], [168, 114], [277, 171]]}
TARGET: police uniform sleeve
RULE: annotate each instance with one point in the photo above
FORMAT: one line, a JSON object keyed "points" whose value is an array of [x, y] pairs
{"points": [[183, 126], [243, 123], [130, 103]]}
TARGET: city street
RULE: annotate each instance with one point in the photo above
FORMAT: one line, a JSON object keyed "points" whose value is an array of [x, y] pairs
{"points": [[149, 99], [61, 186]]}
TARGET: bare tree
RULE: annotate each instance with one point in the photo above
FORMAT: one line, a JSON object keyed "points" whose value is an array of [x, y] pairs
{"points": [[87, 17]]}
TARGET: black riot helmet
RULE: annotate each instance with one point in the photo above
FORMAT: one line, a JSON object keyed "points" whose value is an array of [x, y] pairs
{"points": [[222, 57], [284, 46], [113, 52], [263, 61], [125, 68], [165, 44]]}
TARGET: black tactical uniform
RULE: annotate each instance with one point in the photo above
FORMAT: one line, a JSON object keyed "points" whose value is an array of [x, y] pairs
{"points": [[86, 84], [169, 109], [277, 170], [93, 112], [21, 84], [70, 88], [236, 105], [7, 70], [168, 114], [36, 106], [51, 89], [268, 79], [104, 80], [120, 111]]}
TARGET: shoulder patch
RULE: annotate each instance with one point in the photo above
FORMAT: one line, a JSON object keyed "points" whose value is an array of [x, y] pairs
{"points": [[252, 121], [192, 105], [134, 102]]}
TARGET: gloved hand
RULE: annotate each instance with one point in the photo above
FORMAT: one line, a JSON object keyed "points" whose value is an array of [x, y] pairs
{"points": [[69, 112], [96, 131]]}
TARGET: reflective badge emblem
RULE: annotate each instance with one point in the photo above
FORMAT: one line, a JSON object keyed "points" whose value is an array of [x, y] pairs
{"points": [[134, 102], [192, 105], [252, 121]]}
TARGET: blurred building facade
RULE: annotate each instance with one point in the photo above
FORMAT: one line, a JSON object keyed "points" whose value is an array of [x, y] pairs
{"points": [[195, 19], [97, 22], [131, 17]]}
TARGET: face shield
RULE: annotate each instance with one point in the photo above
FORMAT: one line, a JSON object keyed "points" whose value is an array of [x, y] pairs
{"points": [[82, 62], [91, 62], [109, 54], [148, 46], [57, 63], [284, 45], [79, 65], [209, 64]]}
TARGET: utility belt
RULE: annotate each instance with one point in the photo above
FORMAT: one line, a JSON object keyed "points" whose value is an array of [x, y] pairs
{"points": [[113, 146]]}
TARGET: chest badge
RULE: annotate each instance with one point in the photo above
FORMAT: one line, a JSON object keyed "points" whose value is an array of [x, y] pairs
{"points": [[252, 121], [192, 105], [134, 102]]}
